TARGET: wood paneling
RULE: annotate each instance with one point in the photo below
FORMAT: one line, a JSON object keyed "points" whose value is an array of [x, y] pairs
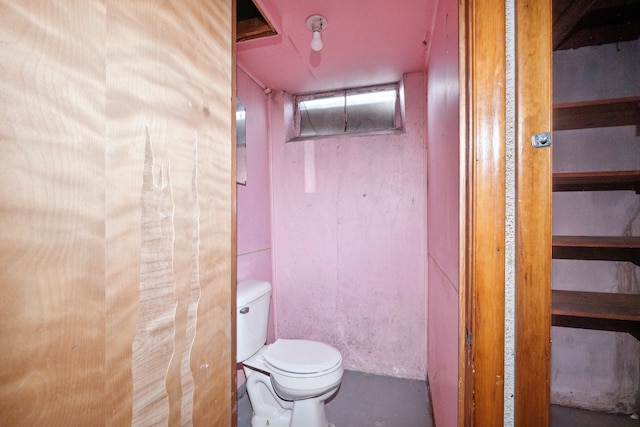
{"points": [[533, 213], [99, 281]]}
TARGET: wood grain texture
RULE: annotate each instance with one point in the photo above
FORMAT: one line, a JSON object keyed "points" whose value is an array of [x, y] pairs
{"points": [[187, 384], [169, 69], [81, 83], [52, 283], [533, 214], [485, 211], [153, 339]]}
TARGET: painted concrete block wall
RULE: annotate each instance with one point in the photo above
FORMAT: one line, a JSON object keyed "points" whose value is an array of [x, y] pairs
{"points": [[349, 240], [443, 214], [254, 198], [596, 369]]}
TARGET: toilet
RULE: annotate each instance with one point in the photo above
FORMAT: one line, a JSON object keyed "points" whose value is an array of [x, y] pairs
{"points": [[288, 381]]}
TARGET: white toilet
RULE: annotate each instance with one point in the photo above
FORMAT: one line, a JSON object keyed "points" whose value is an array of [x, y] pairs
{"points": [[287, 381]]}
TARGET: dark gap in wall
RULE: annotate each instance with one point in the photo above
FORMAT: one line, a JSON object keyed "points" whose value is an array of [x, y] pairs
{"points": [[251, 22]]}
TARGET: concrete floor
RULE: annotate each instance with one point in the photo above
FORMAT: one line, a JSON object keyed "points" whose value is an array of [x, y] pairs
{"points": [[367, 400], [571, 417]]}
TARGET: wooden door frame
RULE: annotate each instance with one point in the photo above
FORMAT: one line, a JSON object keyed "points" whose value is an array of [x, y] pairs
{"points": [[482, 223], [533, 213], [234, 222], [482, 37]]}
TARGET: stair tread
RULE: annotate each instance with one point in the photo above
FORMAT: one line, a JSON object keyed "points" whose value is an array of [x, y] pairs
{"points": [[597, 181], [619, 242], [597, 305], [598, 113]]}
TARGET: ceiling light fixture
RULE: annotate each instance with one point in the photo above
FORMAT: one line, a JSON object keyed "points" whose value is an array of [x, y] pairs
{"points": [[315, 24]]}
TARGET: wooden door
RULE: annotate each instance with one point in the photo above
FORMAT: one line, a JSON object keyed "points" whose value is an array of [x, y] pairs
{"points": [[116, 290]]}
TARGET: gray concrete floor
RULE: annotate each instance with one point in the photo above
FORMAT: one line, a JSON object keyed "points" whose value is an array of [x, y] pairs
{"points": [[571, 417], [367, 400]]}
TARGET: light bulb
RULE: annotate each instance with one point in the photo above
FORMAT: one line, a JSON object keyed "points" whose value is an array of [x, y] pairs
{"points": [[316, 41]]}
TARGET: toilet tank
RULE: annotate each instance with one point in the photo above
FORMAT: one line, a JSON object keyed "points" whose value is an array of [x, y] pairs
{"points": [[252, 317]]}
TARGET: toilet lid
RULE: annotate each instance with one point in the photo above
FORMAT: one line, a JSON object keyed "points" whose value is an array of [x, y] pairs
{"points": [[302, 356]]}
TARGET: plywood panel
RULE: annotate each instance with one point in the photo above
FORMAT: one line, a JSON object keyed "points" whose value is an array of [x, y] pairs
{"points": [[169, 161], [109, 273], [52, 211]]}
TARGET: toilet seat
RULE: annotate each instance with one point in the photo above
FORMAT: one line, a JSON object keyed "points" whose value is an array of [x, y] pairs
{"points": [[301, 358]]}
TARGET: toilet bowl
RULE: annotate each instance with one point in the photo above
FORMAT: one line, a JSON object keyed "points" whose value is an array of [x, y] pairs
{"points": [[288, 381]]}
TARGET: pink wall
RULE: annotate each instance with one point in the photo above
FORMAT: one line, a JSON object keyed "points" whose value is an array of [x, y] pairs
{"points": [[349, 240], [442, 214], [254, 198]]}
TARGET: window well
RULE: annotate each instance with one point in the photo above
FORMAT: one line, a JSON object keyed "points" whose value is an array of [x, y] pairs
{"points": [[348, 111]]}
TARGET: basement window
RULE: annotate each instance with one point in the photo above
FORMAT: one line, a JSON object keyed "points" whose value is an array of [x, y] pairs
{"points": [[351, 111]]}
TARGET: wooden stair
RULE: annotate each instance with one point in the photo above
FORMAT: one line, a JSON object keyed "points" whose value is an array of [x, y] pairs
{"points": [[601, 248], [597, 310], [597, 181], [597, 114]]}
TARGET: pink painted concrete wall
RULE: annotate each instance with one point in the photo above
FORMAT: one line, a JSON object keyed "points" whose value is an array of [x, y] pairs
{"points": [[443, 214], [349, 240], [254, 198]]}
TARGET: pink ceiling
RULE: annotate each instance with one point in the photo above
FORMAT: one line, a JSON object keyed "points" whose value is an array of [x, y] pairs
{"points": [[366, 42]]}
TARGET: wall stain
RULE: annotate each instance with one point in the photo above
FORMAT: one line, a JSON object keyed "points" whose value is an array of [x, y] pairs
{"points": [[627, 347]]}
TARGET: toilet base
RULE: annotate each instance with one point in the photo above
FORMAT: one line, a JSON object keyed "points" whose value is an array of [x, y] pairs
{"points": [[309, 413], [270, 410], [258, 421], [282, 421]]}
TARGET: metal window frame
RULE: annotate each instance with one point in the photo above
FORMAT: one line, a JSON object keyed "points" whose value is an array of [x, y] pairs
{"points": [[343, 94]]}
